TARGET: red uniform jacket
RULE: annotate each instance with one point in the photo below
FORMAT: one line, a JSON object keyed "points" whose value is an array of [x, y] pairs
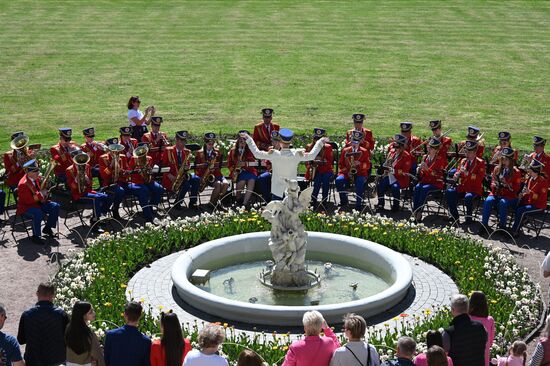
{"points": [[402, 166], [155, 147], [361, 160], [106, 169], [326, 156], [94, 151], [368, 139], [202, 161], [13, 168], [72, 176], [538, 194], [513, 179], [129, 147], [170, 158], [29, 195], [446, 143], [545, 159], [414, 142], [435, 172], [471, 180], [233, 158], [137, 177], [262, 135], [62, 156]]}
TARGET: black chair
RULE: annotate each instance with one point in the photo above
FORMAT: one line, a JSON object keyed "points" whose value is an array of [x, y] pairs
{"points": [[537, 221]]}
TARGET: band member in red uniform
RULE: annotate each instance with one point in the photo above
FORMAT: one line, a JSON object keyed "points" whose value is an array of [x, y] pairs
{"points": [[178, 158], [127, 141], [94, 150], [14, 159], [34, 203], [79, 180], [534, 195], [264, 179], [540, 155], [320, 170], [469, 177], [431, 176], [395, 172], [157, 140], [208, 168], [413, 145], [504, 138], [263, 130], [505, 186], [368, 140], [113, 167], [473, 135], [61, 153], [354, 167], [242, 169], [446, 141]]}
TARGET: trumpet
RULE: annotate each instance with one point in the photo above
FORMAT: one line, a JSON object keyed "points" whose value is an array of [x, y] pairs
{"points": [[496, 157]]}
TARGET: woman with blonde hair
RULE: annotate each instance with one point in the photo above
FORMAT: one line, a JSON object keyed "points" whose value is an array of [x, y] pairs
{"points": [[357, 350], [211, 338]]}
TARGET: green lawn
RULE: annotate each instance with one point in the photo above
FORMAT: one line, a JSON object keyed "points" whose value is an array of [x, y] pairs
{"points": [[213, 65]]}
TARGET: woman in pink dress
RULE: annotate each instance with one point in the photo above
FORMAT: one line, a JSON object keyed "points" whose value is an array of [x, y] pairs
{"points": [[433, 338], [479, 311]]}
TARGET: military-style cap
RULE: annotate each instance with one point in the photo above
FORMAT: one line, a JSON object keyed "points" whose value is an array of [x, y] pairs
{"points": [[17, 134], [473, 131], [267, 112], [536, 165], [537, 140], [357, 136], [435, 124], [275, 135], [400, 139], [286, 134], [319, 132], [358, 118], [31, 166], [209, 136], [406, 126], [434, 142], [470, 145], [88, 132], [156, 120], [182, 135], [66, 132], [126, 130], [508, 152], [111, 141], [504, 136]]}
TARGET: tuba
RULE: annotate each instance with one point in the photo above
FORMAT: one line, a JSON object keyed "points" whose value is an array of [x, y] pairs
{"points": [[20, 144], [115, 150], [140, 153], [80, 161]]}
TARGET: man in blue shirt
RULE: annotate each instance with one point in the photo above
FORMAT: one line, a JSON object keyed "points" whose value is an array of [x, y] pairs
{"points": [[10, 354], [127, 346], [406, 347]]}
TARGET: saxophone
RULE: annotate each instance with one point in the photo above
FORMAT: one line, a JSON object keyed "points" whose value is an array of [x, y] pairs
{"points": [[237, 169], [207, 177], [353, 169], [183, 174]]}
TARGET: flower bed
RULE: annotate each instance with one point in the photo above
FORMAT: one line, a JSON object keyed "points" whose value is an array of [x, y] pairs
{"points": [[100, 274]]}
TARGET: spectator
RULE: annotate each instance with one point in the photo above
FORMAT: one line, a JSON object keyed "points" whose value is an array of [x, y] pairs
{"points": [[541, 356], [127, 346], [479, 311], [406, 347], [83, 347], [42, 329], [250, 358], [313, 350], [171, 348], [545, 266], [517, 355], [433, 338], [211, 338], [10, 354], [356, 350], [465, 339], [436, 356]]}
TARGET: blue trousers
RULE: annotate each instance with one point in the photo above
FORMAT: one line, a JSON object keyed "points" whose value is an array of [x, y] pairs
{"points": [[342, 184], [383, 186], [452, 201], [503, 206], [115, 195], [193, 184], [420, 194], [520, 211], [36, 214], [264, 184], [2, 201], [321, 180], [147, 195], [100, 201]]}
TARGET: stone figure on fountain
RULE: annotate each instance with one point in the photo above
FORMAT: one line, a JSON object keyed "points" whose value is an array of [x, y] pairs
{"points": [[288, 237]]}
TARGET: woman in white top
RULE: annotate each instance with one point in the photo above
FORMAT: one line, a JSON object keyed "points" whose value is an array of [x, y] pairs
{"points": [[210, 339], [356, 352], [138, 121]]}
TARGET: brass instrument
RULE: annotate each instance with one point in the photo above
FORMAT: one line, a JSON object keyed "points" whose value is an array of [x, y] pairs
{"points": [[140, 153], [208, 178], [47, 175], [499, 178], [525, 162], [237, 169], [81, 160], [183, 174], [115, 150], [428, 140], [352, 169], [496, 157], [20, 148]]}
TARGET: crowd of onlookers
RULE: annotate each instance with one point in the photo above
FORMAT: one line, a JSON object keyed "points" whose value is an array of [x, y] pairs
{"points": [[53, 338]]}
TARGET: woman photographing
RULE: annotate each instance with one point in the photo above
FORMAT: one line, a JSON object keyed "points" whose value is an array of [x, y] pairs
{"points": [[139, 121]]}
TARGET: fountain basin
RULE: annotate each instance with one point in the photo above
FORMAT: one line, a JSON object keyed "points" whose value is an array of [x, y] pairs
{"points": [[345, 250]]}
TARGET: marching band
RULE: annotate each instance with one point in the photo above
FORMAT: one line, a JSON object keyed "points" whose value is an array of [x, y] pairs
{"points": [[145, 164]]}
